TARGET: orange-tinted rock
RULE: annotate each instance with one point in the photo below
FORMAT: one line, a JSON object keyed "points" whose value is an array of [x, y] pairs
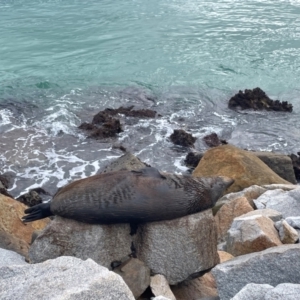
{"points": [[204, 286], [224, 256], [241, 165], [228, 212], [16, 233]]}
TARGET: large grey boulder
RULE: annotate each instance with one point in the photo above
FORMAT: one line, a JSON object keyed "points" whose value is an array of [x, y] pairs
{"points": [[272, 266], [286, 291], [179, 248], [65, 237], [286, 202], [8, 258], [253, 291], [64, 278]]}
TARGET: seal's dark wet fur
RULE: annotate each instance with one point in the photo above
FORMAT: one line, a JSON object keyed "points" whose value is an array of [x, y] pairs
{"points": [[132, 197]]}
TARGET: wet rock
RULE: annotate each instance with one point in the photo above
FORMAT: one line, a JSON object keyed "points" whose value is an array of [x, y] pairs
{"points": [[6, 181], [64, 237], [274, 215], [258, 100], [281, 164], [14, 234], [128, 112], [164, 245], [212, 140], [135, 274], [108, 129], [65, 278], [272, 266], [8, 258], [244, 167], [127, 161], [287, 234], [199, 288], [253, 291], [192, 159], [232, 209], [296, 164], [34, 197], [182, 138], [103, 126], [286, 202], [160, 287], [251, 234]]}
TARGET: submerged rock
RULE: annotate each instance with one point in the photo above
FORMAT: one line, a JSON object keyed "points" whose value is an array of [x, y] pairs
{"points": [[192, 159], [212, 140], [257, 100], [182, 138], [34, 197]]}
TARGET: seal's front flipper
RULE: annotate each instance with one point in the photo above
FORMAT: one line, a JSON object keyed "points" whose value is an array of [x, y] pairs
{"points": [[149, 172], [133, 228], [37, 212]]}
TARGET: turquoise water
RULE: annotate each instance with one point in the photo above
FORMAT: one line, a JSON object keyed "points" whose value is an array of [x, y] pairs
{"points": [[62, 61], [222, 44]]}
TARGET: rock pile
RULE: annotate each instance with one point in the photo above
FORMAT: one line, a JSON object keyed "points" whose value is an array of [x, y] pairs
{"points": [[255, 227]]}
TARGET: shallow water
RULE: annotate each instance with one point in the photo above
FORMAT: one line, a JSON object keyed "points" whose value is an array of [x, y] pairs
{"points": [[63, 61]]}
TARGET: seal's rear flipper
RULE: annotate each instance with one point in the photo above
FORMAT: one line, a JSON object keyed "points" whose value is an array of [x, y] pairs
{"points": [[37, 212]]}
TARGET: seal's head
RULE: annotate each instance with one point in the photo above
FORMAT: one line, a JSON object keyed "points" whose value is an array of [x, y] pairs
{"points": [[219, 184], [214, 186]]}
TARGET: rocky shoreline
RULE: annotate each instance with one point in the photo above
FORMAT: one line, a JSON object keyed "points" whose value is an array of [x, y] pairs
{"points": [[256, 220], [246, 247]]}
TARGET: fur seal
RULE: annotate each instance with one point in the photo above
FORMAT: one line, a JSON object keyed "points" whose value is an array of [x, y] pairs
{"points": [[132, 197]]}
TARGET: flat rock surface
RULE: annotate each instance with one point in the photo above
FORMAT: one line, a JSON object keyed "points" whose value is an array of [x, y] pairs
{"points": [[274, 215], [286, 291], [253, 291], [286, 202], [62, 278], [272, 266]]}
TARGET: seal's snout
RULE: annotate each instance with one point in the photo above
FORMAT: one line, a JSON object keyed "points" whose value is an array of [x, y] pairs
{"points": [[220, 184]]}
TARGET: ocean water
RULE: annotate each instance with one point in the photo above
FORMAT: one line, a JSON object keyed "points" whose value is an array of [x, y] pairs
{"points": [[61, 61]]}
